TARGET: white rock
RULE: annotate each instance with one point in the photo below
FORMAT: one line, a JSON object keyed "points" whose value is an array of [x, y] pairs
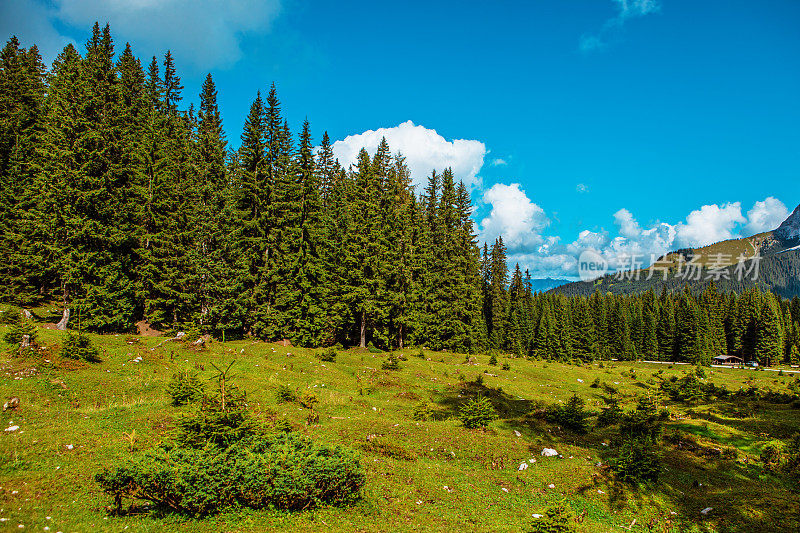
{"points": [[517, 433], [70, 446], [549, 452], [580, 380], [537, 515], [504, 489], [706, 510], [523, 466], [12, 428], [531, 461], [551, 486]]}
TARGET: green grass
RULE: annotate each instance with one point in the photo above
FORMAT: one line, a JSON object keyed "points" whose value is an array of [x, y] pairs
{"points": [[408, 463]]}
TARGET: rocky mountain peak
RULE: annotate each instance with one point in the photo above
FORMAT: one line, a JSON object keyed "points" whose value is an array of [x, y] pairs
{"points": [[790, 229]]}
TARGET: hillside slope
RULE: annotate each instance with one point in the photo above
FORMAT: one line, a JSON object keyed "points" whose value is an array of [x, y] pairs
{"points": [[422, 476]]}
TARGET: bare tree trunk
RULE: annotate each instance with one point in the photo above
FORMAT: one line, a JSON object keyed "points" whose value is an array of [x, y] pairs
{"points": [[400, 340], [363, 329], [62, 324]]}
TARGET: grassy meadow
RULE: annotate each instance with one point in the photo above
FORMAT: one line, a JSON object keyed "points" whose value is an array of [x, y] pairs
{"points": [[77, 418]]}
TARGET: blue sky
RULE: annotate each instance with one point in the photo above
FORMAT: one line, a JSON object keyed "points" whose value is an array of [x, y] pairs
{"points": [[631, 126]]}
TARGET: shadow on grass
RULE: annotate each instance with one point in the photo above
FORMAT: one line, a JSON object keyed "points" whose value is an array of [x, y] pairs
{"points": [[742, 497], [514, 413], [506, 405]]}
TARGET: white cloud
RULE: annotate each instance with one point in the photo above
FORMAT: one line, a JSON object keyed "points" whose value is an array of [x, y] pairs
{"points": [[636, 8], [200, 33], [709, 224], [765, 216], [628, 227], [559, 266], [626, 10], [423, 148], [633, 246], [582, 188], [499, 162], [513, 216]]}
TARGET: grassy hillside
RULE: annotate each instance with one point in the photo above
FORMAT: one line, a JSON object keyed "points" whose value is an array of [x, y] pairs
{"points": [[77, 418]]}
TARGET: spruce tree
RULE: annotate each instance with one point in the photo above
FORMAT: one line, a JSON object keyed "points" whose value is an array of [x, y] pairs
{"points": [[498, 293], [22, 99], [769, 347]]}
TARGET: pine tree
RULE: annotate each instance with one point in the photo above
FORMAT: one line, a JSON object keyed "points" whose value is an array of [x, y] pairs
{"points": [[304, 304], [650, 316], [22, 99], [769, 347], [688, 340], [498, 293], [208, 182], [82, 188], [247, 225], [165, 281], [584, 339], [363, 255], [620, 344]]}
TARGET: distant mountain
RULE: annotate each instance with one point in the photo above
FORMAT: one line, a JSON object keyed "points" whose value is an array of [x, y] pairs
{"points": [[545, 284], [790, 229], [778, 269]]}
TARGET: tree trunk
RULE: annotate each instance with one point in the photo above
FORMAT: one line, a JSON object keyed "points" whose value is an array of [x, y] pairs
{"points": [[400, 339], [363, 329], [62, 324]]}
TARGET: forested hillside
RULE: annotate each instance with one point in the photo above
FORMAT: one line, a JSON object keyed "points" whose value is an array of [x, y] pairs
{"points": [[682, 326]]}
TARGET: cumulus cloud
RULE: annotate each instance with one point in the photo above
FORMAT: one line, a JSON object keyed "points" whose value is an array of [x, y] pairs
{"points": [[499, 162], [628, 227], [513, 216], [626, 10], [765, 216], [200, 33], [558, 266], [423, 148], [630, 244], [709, 224]]}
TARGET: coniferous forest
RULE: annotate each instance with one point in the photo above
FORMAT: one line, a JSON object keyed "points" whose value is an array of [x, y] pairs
{"points": [[121, 204]]}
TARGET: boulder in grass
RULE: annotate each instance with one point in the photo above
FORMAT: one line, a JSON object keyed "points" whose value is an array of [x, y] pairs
{"points": [[549, 452], [11, 404]]}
